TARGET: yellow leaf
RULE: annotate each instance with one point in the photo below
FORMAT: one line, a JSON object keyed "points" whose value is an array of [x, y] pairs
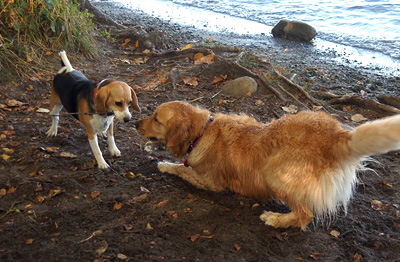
{"points": [[5, 157], [137, 44], [122, 256], [3, 192], [221, 102], [8, 151], [187, 47], [127, 40], [334, 233], [210, 39], [118, 206], [29, 241]]}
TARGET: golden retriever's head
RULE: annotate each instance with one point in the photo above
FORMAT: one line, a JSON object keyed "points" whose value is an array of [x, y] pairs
{"points": [[176, 124]]}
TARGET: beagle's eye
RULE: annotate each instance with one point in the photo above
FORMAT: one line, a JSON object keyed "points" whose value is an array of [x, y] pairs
{"points": [[118, 104]]}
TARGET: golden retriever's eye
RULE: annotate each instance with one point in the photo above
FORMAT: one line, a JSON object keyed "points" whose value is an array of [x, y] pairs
{"points": [[118, 104]]}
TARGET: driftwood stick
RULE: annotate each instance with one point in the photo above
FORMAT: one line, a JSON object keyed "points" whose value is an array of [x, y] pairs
{"points": [[367, 104]]}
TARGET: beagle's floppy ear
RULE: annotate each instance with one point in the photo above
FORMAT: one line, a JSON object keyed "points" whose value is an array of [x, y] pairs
{"points": [[135, 103], [101, 99], [177, 137]]}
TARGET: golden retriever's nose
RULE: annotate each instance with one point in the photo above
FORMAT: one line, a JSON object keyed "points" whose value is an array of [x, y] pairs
{"points": [[127, 119]]}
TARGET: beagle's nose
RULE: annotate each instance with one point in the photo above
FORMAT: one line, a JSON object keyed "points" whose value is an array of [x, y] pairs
{"points": [[127, 119]]}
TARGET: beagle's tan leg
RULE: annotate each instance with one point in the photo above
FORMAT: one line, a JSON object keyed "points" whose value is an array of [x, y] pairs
{"points": [[55, 108], [189, 175], [112, 147]]}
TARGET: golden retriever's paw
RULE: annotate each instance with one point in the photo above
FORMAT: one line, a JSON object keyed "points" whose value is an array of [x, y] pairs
{"points": [[163, 167], [270, 218]]}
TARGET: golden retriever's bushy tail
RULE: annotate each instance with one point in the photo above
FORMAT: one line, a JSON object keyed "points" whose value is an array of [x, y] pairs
{"points": [[376, 137]]}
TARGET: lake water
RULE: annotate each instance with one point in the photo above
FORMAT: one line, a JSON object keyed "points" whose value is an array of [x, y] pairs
{"points": [[365, 30]]}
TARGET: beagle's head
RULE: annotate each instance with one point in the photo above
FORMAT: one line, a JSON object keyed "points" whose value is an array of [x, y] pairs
{"points": [[117, 97]]}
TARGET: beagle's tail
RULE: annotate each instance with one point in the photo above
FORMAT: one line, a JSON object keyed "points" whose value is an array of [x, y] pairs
{"points": [[65, 62], [376, 137]]}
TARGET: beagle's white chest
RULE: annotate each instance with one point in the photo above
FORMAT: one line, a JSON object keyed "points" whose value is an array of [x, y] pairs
{"points": [[101, 123]]}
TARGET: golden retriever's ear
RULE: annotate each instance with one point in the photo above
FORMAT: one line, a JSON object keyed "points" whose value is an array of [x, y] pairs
{"points": [[135, 104], [101, 99], [177, 137]]}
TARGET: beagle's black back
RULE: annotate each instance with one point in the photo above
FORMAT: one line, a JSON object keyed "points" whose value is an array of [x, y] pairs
{"points": [[73, 86]]}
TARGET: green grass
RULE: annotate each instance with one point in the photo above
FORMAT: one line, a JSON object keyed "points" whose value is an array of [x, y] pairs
{"points": [[31, 28]]}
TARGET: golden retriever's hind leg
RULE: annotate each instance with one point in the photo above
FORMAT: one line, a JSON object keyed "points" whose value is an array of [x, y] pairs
{"points": [[187, 174], [292, 219]]}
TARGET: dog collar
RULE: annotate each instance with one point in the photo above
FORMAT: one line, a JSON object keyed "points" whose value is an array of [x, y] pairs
{"points": [[197, 139]]}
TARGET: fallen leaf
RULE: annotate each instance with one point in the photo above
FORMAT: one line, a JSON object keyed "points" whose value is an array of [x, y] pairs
{"points": [[51, 149], [237, 247], [7, 150], [221, 102], [219, 79], [5, 157], [68, 155], [94, 194], [190, 81], [334, 233], [122, 256], [102, 249], [137, 43], [3, 192], [175, 216], [40, 198], [148, 227], [139, 197], [29, 241], [384, 183], [118, 206], [358, 118], [210, 39], [292, 109], [317, 108], [378, 205], [187, 47], [43, 110], [194, 237], [356, 257], [14, 103], [143, 189], [55, 192], [255, 205], [162, 203], [202, 59]]}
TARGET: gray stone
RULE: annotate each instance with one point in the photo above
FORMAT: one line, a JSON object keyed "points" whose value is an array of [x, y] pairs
{"points": [[240, 86], [294, 30]]}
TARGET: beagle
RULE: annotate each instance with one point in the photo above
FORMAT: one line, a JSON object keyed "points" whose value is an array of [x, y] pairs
{"points": [[93, 104]]}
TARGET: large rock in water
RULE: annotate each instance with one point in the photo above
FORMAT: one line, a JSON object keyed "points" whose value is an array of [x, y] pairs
{"points": [[294, 30], [240, 86]]}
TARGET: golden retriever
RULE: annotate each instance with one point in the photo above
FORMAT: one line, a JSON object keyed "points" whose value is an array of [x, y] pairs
{"points": [[308, 160]]}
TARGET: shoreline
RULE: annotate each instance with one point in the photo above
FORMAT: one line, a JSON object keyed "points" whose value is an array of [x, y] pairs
{"points": [[336, 69]]}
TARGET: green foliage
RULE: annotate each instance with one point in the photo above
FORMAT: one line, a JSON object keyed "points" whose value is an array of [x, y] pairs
{"points": [[31, 28]]}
